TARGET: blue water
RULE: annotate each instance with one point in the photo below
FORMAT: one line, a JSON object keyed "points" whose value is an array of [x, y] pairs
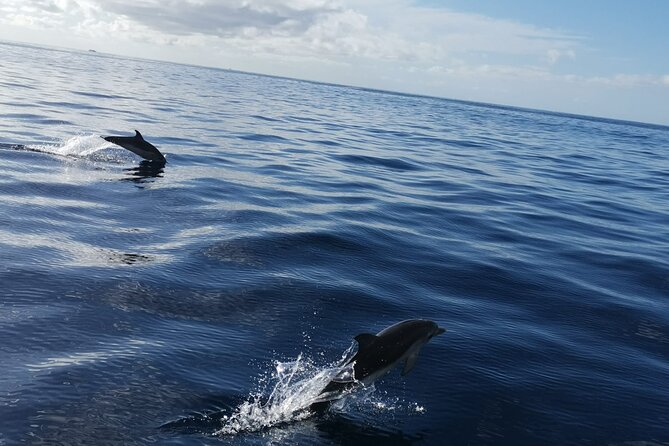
{"points": [[144, 304]]}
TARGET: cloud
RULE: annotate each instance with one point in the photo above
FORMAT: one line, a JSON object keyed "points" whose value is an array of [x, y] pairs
{"points": [[34, 14], [373, 29], [219, 17], [629, 80], [553, 55]]}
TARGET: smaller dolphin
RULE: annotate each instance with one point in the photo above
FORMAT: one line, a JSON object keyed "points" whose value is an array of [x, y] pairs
{"points": [[137, 144], [377, 355]]}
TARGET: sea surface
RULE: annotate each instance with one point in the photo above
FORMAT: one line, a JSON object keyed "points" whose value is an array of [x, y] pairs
{"points": [[198, 302]]}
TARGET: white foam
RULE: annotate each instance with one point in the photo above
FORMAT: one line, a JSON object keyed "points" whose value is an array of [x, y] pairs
{"points": [[296, 385], [85, 146], [285, 395]]}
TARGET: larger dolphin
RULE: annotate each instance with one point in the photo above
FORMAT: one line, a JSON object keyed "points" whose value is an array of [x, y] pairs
{"points": [[137, 144], [377, 355]]}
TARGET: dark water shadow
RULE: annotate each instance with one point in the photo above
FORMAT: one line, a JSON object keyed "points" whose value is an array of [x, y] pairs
{"points": [[145, 171], [196, 423], [206, 419], [346, 431], [128, 258], [336, 427]]}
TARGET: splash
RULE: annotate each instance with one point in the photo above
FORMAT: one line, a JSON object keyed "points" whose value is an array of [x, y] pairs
{"points": [[296, 385], [85, 146]]}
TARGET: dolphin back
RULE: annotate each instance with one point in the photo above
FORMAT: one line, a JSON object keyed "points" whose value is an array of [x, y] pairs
{"points": [[112, 139], [377, 354], [138, 145]]}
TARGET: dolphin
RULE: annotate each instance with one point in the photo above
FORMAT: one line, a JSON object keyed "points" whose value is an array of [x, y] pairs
{"points": [[377, 355], [137, 144]]}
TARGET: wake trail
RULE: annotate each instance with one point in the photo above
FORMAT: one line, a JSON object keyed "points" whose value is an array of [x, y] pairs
{"points": [[90, 147]]}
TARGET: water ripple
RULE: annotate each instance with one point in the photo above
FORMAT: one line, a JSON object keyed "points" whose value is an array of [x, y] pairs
{"points": [[134, 295]]}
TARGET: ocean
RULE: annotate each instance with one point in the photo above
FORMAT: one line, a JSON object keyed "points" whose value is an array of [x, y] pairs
{"points": [[197, 302]]}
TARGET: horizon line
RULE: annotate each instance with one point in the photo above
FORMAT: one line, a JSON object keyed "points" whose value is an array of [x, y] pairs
{"points": [[93, 52]]}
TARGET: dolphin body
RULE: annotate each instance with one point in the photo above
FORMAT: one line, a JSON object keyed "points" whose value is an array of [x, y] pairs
{"points": [[377, 355], [137, 144]]}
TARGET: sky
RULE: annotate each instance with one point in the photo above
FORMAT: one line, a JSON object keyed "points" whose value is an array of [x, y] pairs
{"points": [[591, 57]]}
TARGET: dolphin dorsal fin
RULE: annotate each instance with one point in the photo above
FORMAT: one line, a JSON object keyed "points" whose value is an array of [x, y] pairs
{"points": [[138, 135], [365, 339]]}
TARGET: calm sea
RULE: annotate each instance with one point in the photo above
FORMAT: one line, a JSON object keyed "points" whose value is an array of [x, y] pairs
{"points": [[158, 305]]}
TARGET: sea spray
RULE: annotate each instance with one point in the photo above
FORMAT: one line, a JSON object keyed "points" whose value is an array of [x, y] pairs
{"points": [[85, 146], [295, 385]]}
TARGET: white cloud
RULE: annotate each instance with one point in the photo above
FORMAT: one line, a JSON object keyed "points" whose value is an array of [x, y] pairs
{"points": [[553, 55], [628, 80], [384, 30], [218, 17]]}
